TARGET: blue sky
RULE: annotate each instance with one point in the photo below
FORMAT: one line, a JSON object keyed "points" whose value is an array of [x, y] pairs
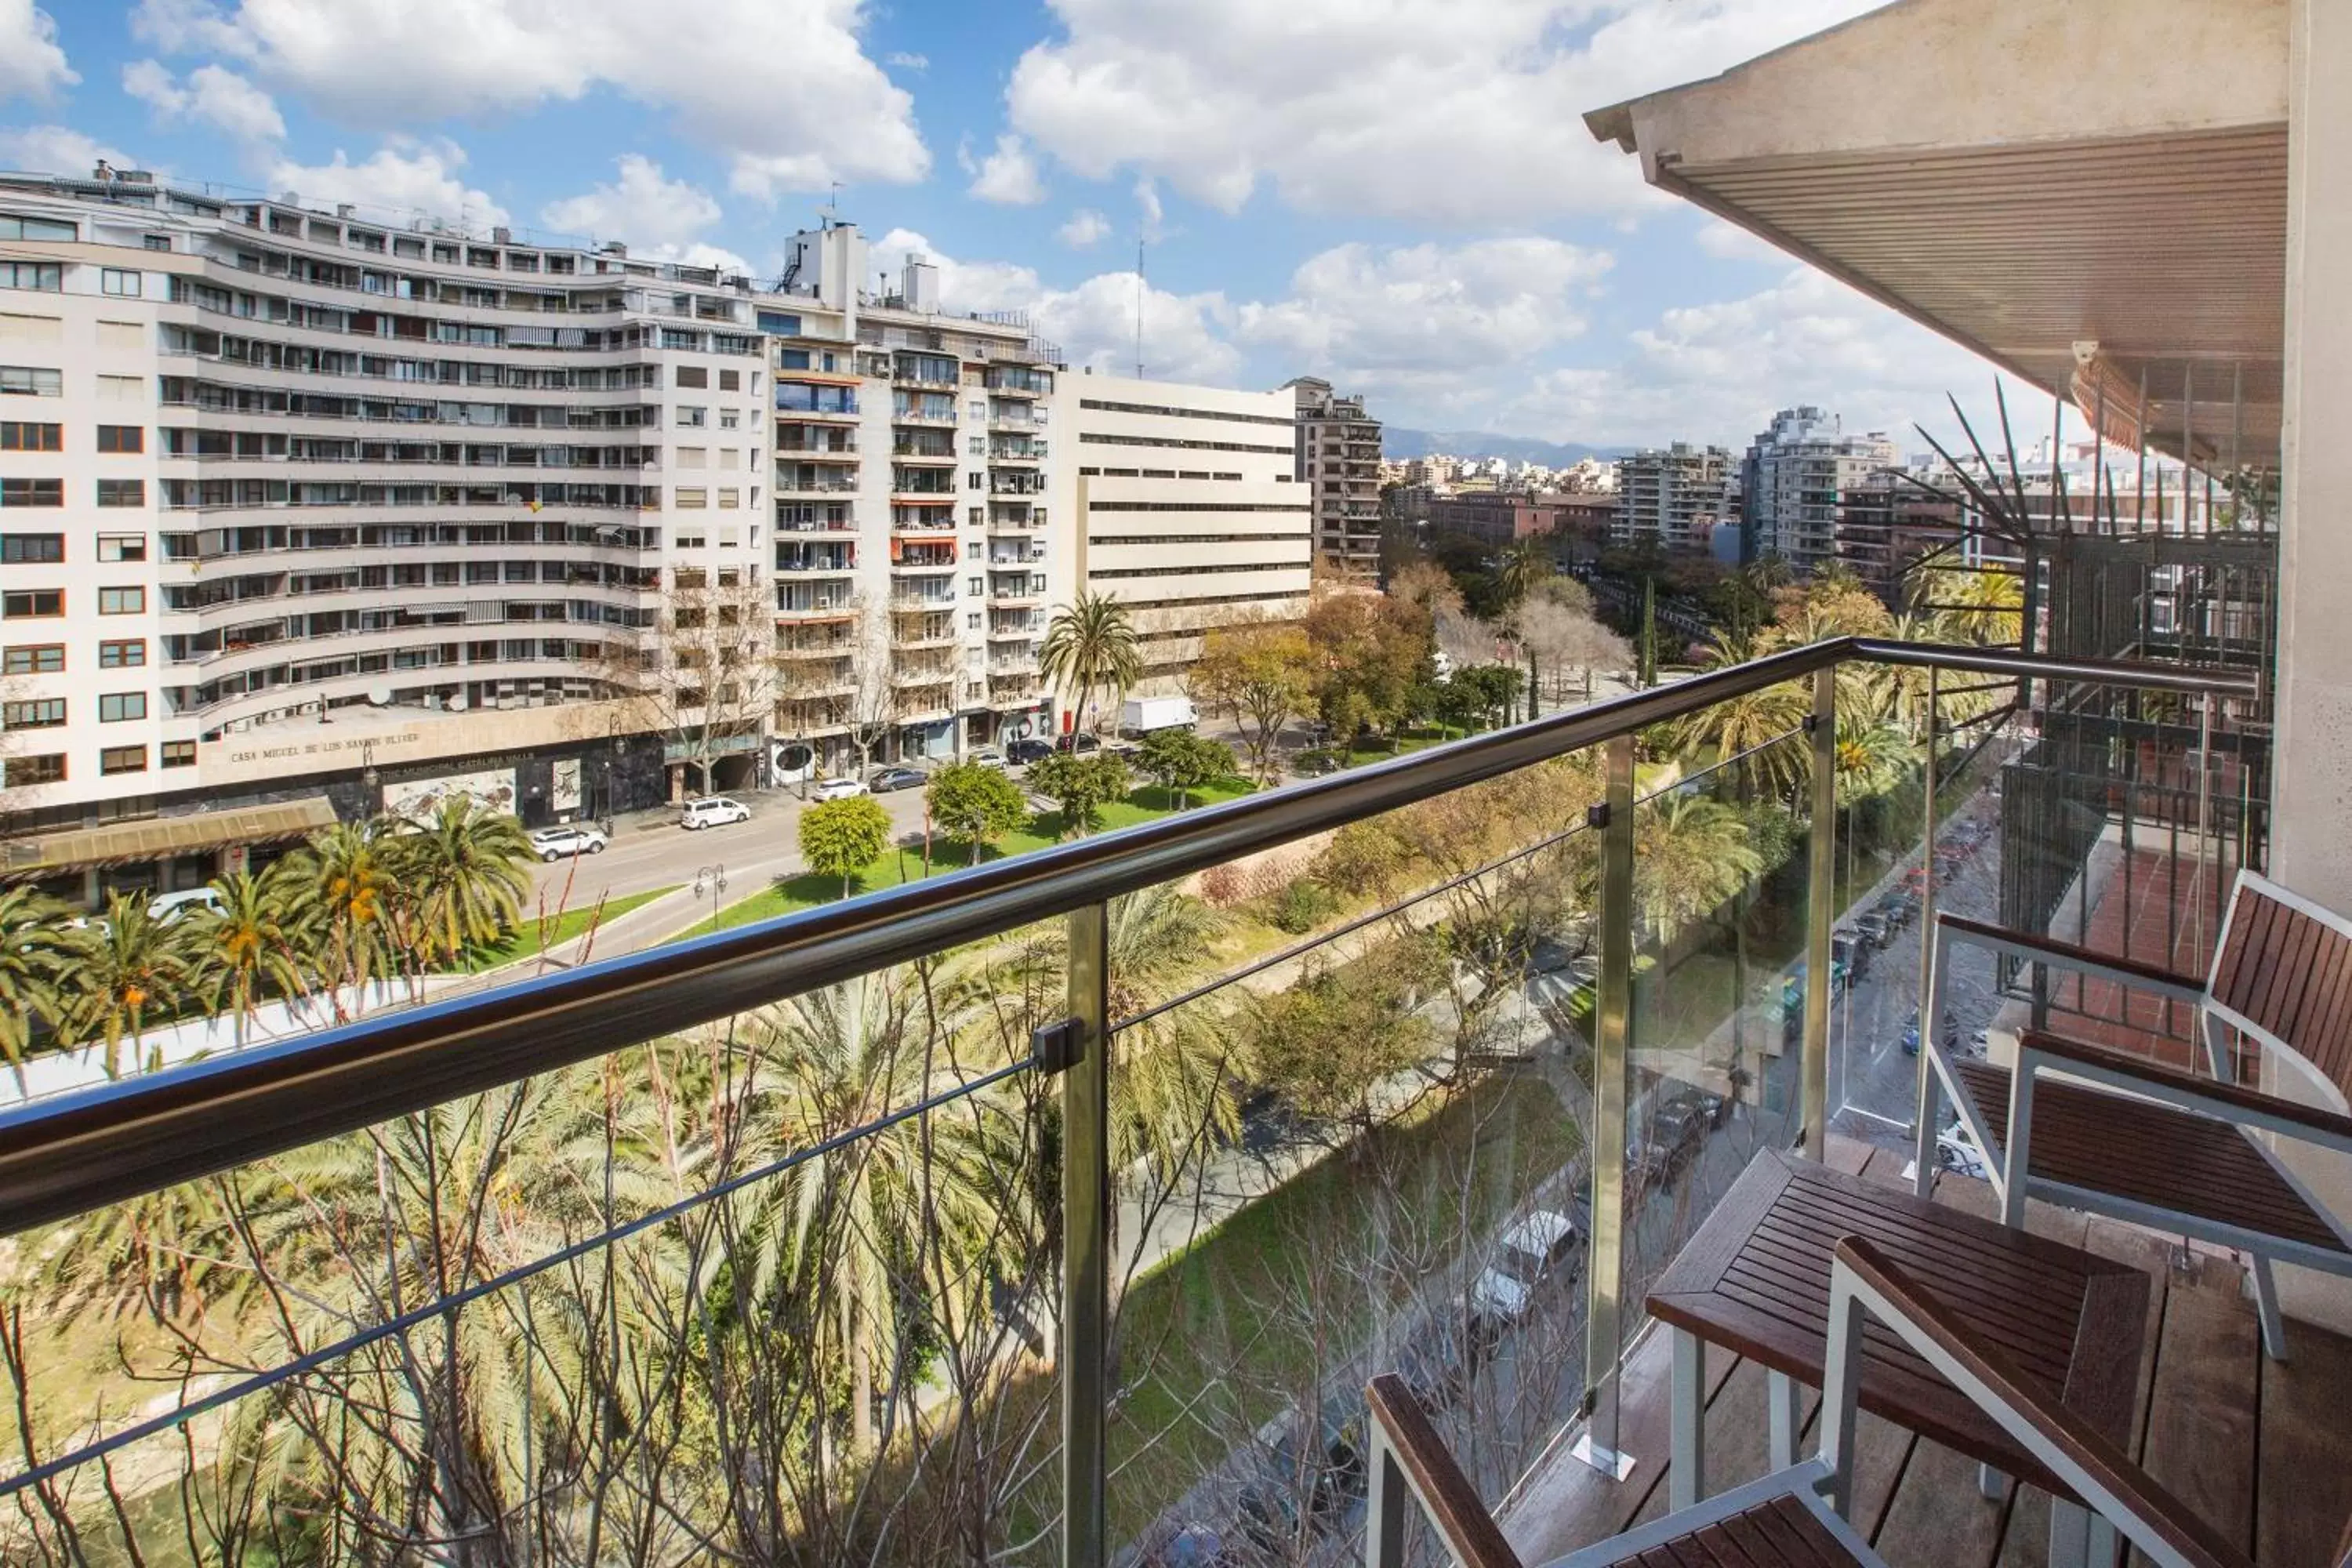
{"points": [[1395, 193]]}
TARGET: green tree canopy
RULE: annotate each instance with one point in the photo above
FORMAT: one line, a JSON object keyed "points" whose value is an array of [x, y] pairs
{"points": [[837, 837], [1185, 761], [976, 804], [1265, 674], [1371, 649], [1080, 786]]}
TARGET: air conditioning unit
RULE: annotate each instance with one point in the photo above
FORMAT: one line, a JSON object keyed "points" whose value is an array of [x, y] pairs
{"points": [[825, 601]]}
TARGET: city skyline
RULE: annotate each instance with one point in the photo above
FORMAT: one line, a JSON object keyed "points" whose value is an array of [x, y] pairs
{"points": [[1435, 245]]}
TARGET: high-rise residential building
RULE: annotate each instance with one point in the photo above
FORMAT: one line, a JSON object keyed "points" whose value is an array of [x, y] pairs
{"points": [[1673, 496], [1339, 462], [1793, 481], [306, 514], [1193, 514]]}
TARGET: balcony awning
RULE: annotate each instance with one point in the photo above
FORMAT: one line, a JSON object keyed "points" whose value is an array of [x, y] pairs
{"points": [[2028, 180], [160, 837]]}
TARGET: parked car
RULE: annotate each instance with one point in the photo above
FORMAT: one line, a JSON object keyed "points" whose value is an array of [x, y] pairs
{"points": [[1954, 1153], [1677, 1132], [1078, 743], [1873, 927], [1027, 750], [713, 811], [838, 789], [987, 757], [1314, 763], [1848, 948], [882, 781], [571, 838], [1534, 1248], [1911, 1034], [171, 905]]}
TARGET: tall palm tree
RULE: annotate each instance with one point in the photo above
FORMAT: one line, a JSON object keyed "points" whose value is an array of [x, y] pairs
{"points": [[39, 947], [1527, 565], [249, 947], [134, 970], [1091, 644], [465, 875], [1747, 723], [345, 894], [1872, 757], [1981, 606], [1692, 855]]}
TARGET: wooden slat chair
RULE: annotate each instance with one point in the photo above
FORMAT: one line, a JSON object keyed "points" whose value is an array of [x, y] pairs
{"points": [[2096, 1129], [1793, 1518]]}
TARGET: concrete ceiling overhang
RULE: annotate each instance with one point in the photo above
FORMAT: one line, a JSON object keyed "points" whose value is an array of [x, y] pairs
{"points": [[2024, 178]]}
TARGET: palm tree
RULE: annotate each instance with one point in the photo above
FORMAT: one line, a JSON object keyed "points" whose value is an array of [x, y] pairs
{"points": [[465, 870], [38, 948], [1091, 644], [344, 892], [1749, 723], [135, 968], [860, 1220], [249, 947], [1527, 565], [1872, 757], [1982, 606], [1692, 855]]}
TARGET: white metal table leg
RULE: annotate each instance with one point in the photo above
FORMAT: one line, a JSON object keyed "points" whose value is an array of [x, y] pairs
{"points": [[2070, 1534], [1686, 1474], [2102, 1543], [1781, 1398]]}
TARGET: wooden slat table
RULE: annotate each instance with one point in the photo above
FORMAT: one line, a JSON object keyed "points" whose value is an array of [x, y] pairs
{"points": [[1756, 1281]]}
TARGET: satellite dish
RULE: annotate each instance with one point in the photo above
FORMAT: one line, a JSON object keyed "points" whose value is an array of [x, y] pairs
{"points": [[381, 696], [457, 705]]}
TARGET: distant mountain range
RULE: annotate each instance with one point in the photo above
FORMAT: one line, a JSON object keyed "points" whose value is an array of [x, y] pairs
{"points": [[1397, 443]]}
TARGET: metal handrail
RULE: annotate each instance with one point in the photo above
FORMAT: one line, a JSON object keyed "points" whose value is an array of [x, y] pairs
{"points": [[80, 1151]]}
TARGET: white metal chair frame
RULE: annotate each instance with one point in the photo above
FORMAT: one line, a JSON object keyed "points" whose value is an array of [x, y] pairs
{"points": [[2332, 1128], [1408, 1462]]}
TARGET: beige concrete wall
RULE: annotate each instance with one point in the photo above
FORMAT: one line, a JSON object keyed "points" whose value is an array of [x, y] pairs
{"points": [[2312, 794]]}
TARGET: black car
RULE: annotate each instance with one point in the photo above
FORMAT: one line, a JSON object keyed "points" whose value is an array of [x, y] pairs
{"points": [[1078, 743], [1315, 764], [885, 780], [1027, 750]]}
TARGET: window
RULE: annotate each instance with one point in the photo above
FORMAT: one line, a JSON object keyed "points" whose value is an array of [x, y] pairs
{"points": [[124, 335], [158, 242], [728, 419], [25, 381], [971, 621], [22, 436], [115, 707], [114, 547], [122, 438], [731, 500], [120, 283], [40, 713], [47, 276], [730, 381], [792, 359], [780, 324], [120, 389], [693, 376], [972, 481], [686, 499], [179, 753], [21, 329], [123, 601], [122, 492], [32, 549], [123, 653], [20, 772], [122, 760], [731, 456], [32, 492], [15, 228], [973, 585], [33, 659], [693, 418], [33, 604], [693, 457]]}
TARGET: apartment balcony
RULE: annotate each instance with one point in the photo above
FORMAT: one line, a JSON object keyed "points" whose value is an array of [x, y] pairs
{"points": [[806, 609], [922, 565], [793, 567], [915, 452], [826, 482]]}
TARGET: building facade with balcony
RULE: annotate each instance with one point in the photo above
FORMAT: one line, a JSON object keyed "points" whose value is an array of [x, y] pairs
{"points": [[1672, 496], [1794, 481], [1339, 464]]}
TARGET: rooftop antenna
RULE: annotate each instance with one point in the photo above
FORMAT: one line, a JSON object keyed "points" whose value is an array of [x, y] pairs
{"points": [[831, 211], [1139, 307]]}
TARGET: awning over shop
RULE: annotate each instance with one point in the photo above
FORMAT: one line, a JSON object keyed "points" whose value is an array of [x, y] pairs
{"points": [[160, 837], [2087, 193]]}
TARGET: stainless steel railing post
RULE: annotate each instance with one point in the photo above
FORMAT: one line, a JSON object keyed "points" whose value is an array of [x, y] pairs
{"points": [[1087, 1244], [1613, 1029], [1821, 916]]}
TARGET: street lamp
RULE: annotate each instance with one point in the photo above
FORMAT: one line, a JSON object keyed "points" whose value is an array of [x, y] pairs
{"points": [[715, 879]]}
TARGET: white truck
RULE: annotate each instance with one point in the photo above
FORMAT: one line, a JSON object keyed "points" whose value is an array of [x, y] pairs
{"points": [[1141, 715]]}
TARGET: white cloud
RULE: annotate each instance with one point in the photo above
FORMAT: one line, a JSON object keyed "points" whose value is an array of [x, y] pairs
{"points": [[57, 150], [1184, 335], [1453, 110], [660, 219], [1085, 226], [31, 63], [403, 178], [1716, 372], [782, 88], [213, 96], [906, 61], [1434, 321], [1008, 175], [1730, 242]]}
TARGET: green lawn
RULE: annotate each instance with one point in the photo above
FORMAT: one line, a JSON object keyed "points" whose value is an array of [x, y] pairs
{"points": [[534, 934], [903, 862]]}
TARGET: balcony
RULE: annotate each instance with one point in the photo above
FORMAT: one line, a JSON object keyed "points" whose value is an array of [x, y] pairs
{"points": [[1568, 975]]}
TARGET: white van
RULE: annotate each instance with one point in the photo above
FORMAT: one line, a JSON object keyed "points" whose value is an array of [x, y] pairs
{"points": [[1531, 1251], [171, 905]]}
